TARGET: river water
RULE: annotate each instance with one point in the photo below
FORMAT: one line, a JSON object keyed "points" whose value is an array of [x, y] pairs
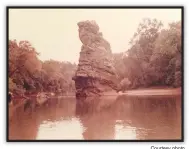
{"points": [[123, 117]]}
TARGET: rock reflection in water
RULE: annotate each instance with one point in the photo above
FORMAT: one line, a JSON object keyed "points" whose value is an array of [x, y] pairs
{"points": [[124, 117], [97, 118]]}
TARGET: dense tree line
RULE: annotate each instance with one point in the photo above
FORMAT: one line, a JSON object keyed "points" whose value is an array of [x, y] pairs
{"points": [[153, 59], [27, 74], [154, 56]]}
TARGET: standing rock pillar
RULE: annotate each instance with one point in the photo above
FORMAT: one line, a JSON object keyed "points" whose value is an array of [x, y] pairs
{"points": [[95, 73]]}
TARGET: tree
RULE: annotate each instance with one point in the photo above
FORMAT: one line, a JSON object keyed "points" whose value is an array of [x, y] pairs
{"points": [[168, 52], [22, 57], [154, 57], [138, 57]]}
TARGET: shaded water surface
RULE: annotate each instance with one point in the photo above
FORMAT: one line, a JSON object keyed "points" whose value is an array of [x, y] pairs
{"points": [[123, 117]]}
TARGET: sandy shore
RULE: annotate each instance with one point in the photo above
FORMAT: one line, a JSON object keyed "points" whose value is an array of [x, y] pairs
{"points": [[150, 92], [142, 92]]}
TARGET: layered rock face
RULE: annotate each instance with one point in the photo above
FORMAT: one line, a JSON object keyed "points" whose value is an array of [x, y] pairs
{"points": [[95, 73]]}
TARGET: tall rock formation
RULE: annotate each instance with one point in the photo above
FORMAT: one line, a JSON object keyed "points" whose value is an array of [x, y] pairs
{"points": [[95, 73]]}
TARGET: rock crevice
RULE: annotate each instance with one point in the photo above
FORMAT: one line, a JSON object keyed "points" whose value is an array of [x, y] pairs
{"points": [[95, 73]]}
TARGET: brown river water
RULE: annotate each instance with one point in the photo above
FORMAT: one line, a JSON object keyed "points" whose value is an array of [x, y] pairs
{"points": [[122, 117]]}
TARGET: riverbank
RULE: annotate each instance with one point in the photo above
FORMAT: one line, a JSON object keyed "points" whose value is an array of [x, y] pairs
{"points": [[111, 96], [147, 92], [153, 91]]}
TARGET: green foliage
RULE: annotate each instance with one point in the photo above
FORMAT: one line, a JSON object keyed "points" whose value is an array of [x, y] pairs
{"points": [[154, 57], [119, 65], [178, 77], [125, 84], [12, 85], [28, 73]]}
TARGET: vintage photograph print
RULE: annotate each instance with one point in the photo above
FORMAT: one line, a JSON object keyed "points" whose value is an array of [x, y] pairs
{"points": [[95, 73]]}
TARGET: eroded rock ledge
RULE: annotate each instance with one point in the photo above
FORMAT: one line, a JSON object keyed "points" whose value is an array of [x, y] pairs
{"points": [[95, 73]]}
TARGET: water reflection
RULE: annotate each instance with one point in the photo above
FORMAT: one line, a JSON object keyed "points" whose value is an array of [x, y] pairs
{"points": [[98, 119], [123, 117]]}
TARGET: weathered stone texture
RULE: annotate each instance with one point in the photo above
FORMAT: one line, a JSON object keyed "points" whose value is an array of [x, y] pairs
{"points": [[95, 73]]}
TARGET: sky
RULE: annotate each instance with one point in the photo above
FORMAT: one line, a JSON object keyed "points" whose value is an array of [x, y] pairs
{"points": [[54, 32]]}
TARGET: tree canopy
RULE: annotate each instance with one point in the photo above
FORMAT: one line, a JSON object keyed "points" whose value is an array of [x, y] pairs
{"points": [[154, 57], [28, 74]]}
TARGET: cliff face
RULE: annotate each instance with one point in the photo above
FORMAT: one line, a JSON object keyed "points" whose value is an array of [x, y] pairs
{"points": [[95, 73]]}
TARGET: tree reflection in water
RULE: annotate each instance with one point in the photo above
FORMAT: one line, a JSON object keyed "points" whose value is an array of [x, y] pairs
{"points": [[152, 117], [131, 117], [110, 117]]}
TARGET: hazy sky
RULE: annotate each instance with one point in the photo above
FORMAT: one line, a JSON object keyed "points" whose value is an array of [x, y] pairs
{"points": [[54, 32]]}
